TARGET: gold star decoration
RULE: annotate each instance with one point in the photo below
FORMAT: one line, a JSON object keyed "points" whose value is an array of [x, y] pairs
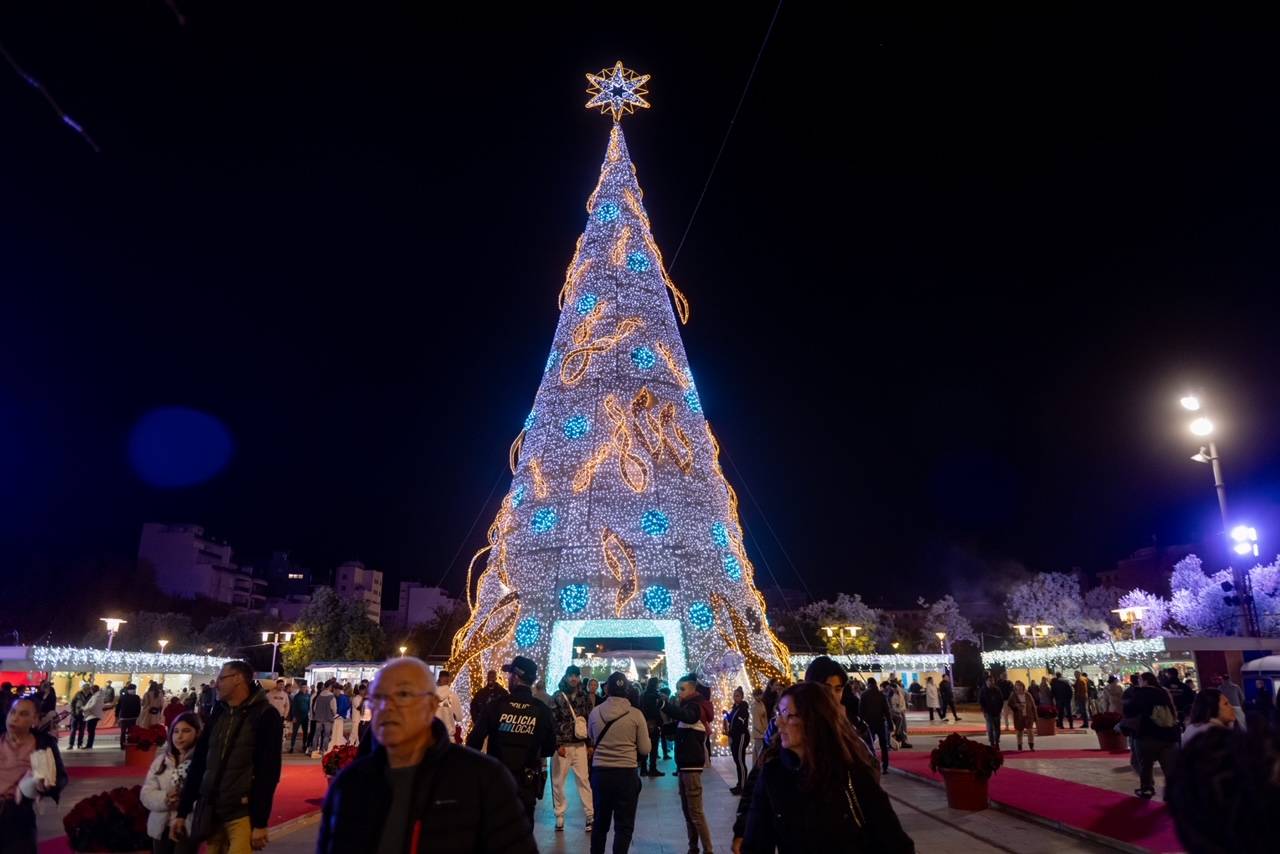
{"points": [[617, 90]]}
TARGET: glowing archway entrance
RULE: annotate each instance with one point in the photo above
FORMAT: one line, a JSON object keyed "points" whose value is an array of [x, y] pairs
{"points": [[563, 633]]}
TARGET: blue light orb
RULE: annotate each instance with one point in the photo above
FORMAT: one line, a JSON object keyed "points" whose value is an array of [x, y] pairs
{"points": [[657, 600], [732, 568], [544, 519], [638, 262], [692, 401], [643, 358], [574, 597], [577, 426], [551, 361], [654, 523], [531, 419], [586, 303], [517, 496], [175, 446], [720, 535], [528, 631], [701, 615], [607, 212]]}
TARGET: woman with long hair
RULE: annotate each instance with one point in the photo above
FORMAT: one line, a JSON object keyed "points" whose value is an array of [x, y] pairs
{"points": [[1210, 709], [813, 793], [164, 780]]}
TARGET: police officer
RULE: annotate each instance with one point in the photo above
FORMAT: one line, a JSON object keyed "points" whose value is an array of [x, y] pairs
{"points": [[521, 732]]}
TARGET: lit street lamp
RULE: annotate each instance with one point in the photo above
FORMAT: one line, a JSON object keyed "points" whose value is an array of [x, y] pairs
{"points": [[840, 631], [1026, 630], [403, 650], [113, 626], [1203, 427], [163, 643], [274, 638], [942, 641], [1131, 615]]}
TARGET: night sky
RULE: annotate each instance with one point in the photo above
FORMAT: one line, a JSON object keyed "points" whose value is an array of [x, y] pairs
{"points": [[948, 281]]}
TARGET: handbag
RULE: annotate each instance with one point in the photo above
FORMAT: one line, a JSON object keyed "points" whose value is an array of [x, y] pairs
{"points": [[579, 723], [202, 822]]}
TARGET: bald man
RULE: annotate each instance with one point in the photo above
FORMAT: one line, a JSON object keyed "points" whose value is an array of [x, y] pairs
{"points": [[417, 791]]}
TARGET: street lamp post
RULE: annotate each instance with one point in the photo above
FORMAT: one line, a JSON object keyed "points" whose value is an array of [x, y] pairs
{"points": [[1203, 427], [839, 632], [273, 638], [163, 643], [1131, 615], [1026, 630], [113, 626], [942, 641]]}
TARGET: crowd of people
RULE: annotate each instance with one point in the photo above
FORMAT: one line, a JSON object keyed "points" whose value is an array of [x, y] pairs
{"points": [[418, 784]]}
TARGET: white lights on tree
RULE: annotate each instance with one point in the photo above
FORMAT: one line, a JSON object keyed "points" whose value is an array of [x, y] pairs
{"points": [[875, 663], [1071, 655], [618, 521], [62, 658]]}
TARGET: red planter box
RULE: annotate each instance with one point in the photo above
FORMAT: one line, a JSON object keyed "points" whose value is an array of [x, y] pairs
{"points": [[136, 757], [1112, 742], [1046, 727], [964, 790]]}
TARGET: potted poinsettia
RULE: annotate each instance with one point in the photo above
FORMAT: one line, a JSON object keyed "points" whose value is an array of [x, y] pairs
{"points": [[1104, 725], [140, 749], [966, 767], [337, 758], [1046, 717], [108, 821]]}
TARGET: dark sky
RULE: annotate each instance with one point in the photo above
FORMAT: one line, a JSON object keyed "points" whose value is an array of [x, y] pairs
{"points": [[947, 283]]}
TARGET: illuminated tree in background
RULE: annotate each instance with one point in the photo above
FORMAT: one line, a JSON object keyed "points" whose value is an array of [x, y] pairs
{"points": [[619, 520]]}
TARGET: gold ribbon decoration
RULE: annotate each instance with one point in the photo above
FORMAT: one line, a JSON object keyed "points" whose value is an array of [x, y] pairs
{"points": [[619, 253], [631, 467], [648, 428], [576, 362], [571, 280], [671, 429], [513, 456], [681, 378], [573, 265], [582, 480], [632, 203], [621, 561], [681, 301], [759, 668], [540, 488], [497, 625]]}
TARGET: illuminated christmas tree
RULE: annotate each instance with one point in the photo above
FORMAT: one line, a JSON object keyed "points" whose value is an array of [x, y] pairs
{"points": [[619, 522]]}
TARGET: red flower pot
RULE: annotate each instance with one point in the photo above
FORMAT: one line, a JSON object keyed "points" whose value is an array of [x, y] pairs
{"points": [[1112, 741], [136, 757], [1046, 727], [964, 790]]}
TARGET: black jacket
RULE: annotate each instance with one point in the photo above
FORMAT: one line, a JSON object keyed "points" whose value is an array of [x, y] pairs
{"points": [[266, 729], [651, 705], [1062, 693], [991, 700], [785, 816], [523, 739], [873, 708], [1142, 704], [463, 801], [691, 751], [740, 719], [128, 706]]}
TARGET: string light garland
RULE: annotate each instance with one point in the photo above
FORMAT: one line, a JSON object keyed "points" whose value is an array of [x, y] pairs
{"points": [[624, 529], [57, 109], [88, 659], [876, 663], [1075, 655]]}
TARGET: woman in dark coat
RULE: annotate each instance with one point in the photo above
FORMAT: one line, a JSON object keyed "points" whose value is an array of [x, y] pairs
{"points": [[813, 793]]}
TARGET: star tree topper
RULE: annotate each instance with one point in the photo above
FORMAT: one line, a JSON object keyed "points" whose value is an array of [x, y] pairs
{"points": [[617, 90]]}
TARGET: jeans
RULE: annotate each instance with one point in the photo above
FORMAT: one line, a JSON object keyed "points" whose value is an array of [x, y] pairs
{"points": [[948, 703], [993, 728], [303, 728], [1064, 713], [575, 760], [91, 730], [615, 792], [695, 821], [899, 726], [322, 734], [1082, 712], [1149, 753], [881, 732], [757, 747]]}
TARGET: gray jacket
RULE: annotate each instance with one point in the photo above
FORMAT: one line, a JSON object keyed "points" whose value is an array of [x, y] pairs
{"points": [[324, 708], [624, 740]]}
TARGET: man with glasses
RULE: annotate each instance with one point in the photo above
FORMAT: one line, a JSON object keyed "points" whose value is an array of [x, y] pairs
{"points": [[416, 791], [521, 732], [235, 766]]}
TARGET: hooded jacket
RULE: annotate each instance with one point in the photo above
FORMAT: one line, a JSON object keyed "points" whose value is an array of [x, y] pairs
{"points": [[694, 716], [628, 733]]}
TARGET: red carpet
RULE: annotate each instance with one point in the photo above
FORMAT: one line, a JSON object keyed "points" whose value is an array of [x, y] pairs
{"points": [[1145, 824], [302, 789]]}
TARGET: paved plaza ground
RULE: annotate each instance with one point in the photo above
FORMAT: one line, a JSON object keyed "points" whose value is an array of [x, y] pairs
{"points": [[1065, 759]]}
